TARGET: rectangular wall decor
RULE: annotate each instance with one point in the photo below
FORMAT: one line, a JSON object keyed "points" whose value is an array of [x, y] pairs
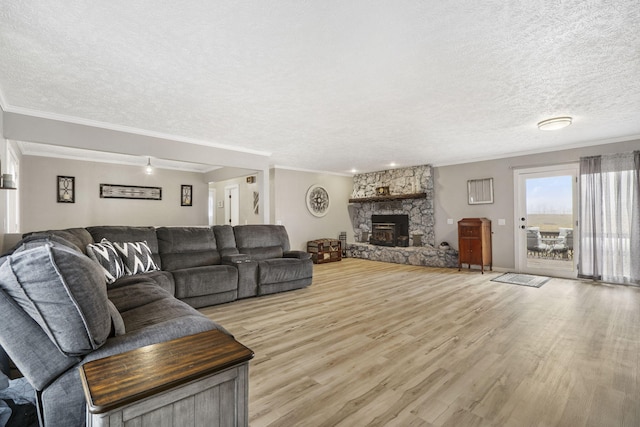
{"points": [[111, 191], [66, 189], [480, 191], [185, 195]]}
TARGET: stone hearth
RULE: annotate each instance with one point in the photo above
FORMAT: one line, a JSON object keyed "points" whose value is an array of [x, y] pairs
{"points": [[424, 255]]}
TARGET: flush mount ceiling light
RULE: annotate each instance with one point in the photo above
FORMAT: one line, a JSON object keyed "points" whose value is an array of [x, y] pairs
{"points": [[555, 123], [149, 169]]}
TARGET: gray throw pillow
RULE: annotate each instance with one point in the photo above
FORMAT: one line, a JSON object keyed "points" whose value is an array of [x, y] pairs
{"points": [[64, 292], [107, 258], [136, 257]]}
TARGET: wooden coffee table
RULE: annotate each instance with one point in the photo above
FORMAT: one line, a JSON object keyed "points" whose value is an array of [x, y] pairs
{"points": [[200, 379]]}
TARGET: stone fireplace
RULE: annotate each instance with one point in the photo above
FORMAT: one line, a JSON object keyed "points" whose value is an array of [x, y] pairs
{"points": [[411, 195], [373, 213]]}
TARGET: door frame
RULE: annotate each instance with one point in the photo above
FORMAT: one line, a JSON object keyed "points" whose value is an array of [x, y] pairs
{"points": [[520, 236]]}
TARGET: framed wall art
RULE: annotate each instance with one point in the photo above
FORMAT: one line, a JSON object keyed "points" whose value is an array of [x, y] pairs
{"points": [[186, 193], [112, 191], [66, 189], [256, 203], [480, 191], [317, 201]]}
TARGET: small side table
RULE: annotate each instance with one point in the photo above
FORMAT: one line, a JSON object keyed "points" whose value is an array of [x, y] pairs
{"points": [[325, 250], [200, 379]]}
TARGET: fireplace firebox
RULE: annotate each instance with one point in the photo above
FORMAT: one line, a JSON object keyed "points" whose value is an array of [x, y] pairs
{"points": [[390, 230]]}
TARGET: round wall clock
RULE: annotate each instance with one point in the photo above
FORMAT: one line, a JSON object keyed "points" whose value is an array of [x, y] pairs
{"points": [[317, 200]]}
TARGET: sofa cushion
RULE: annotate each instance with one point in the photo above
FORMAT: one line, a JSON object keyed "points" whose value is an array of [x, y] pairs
{"points": [[137, 294], [158, 311], [197, 281], [33, 353], [161, 278], [136, 257], [185, 247], [284, 270], [105, 254], [261, 236], [34, 240], [225, 240], [78, 237], [119, 233], [64, 292]]}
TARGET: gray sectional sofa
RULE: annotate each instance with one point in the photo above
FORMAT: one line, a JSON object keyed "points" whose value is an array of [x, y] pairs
{"points": [[58, 311]]}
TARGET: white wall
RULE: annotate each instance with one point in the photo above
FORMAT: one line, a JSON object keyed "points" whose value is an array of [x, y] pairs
{"points": [[289, 189], [40, 210], [451, 194]]}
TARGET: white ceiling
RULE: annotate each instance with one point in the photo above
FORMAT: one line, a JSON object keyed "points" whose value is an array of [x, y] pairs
{"points": [[333, 85]]}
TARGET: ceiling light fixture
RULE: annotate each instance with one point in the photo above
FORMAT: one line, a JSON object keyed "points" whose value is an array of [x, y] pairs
{"points": [[149, 169], [555, 123]]}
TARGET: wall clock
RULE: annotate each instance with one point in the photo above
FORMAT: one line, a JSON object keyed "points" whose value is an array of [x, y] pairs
{"points": [[317, 200]]}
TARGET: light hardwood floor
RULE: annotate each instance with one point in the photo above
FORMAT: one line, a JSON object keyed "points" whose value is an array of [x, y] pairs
{"points": [[371, 343]]}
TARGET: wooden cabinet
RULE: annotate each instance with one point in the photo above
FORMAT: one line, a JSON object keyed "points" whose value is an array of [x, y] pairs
{"points": [[474, 243]]}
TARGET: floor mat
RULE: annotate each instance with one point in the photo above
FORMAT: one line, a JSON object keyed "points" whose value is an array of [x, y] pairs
{"points": [[522, 279]]}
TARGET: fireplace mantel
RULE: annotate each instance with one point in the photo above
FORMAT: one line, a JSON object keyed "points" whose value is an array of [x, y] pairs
{"points": [[389, 198]]}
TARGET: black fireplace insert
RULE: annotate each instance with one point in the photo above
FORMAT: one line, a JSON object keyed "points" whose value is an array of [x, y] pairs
{"points": [[389, 230]]}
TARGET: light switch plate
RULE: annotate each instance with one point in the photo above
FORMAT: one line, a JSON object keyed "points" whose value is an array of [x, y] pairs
{"points": [[449, 220], [501, 221]]}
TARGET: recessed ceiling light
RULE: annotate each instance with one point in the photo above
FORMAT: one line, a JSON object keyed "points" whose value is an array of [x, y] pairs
{"points": [[354, 170], [392, 164], [555, 123]]}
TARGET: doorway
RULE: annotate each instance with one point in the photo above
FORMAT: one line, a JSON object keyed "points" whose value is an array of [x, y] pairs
{"points": [[232, 205], [546, 222]]}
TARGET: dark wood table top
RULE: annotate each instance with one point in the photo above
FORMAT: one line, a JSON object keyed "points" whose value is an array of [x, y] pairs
{"points": [[125, 378]]}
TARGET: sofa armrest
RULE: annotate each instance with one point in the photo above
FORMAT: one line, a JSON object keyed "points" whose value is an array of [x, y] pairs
{"points": [[296, 254], [235, 259]]}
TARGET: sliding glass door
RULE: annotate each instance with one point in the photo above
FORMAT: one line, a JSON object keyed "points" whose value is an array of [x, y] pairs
{"points": [[546, 223]]}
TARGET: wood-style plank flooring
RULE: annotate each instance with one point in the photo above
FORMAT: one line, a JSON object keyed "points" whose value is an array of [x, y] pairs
{"points": [[371, 343]]}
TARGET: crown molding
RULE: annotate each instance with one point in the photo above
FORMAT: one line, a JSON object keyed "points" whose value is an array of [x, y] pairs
{"points": [[574, 146], [311, 170]]}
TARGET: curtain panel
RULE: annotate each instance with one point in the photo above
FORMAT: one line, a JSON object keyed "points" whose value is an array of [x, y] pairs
{"points": [[610, 218]]}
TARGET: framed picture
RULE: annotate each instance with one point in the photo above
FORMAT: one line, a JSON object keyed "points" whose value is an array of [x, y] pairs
{"points": [[111, 191], [256, 203], [186, 195], [317, 201], [480, 191], [66, 189]]}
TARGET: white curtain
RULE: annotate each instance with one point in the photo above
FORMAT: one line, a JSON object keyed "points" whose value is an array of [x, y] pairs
{"points": [[610, 218]]}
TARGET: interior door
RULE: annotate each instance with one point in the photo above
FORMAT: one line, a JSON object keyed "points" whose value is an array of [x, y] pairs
{"points": [[547, 232], [232, 204]]}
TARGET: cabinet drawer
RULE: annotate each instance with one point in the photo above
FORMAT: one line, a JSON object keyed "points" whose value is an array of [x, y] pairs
{"points": [[471, 231]]}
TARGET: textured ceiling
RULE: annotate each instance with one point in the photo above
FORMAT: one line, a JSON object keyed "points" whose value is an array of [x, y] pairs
{"points": [[333, 85]]}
